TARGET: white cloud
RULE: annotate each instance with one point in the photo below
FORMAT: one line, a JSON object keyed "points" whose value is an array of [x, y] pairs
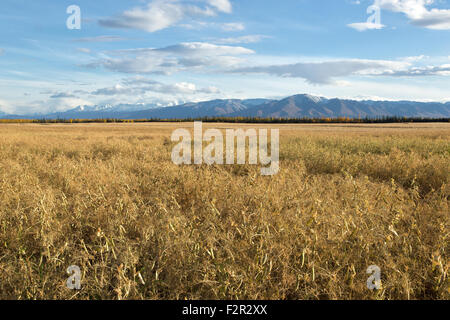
{"points": [[325, 72], [141, 85], [55, 104], [204, 49], [363, 26], [208, 58], [221, 5], [161, 14], [84, 50], [418, 13], [221, 26], [195, 56], [233, 26], [5, 107], [156, 16], [443, 70], [415, 58], [243, 39]]}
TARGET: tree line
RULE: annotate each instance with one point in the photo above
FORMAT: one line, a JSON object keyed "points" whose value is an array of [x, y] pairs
{"points": [[383, 119]]}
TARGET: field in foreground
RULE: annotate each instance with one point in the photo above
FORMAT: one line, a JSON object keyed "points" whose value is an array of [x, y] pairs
{"points": [[107, 197]]}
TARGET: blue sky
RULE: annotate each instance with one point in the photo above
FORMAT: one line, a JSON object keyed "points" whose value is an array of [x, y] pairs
{"points": [[172, 51]]}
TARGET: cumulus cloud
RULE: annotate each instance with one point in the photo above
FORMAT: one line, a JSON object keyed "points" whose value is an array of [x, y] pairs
{"points": [[156, 16], [415, 58], [221, 5], [167, 60], [140, 85], [131, 89], [417, 11], [204, 57], [161, 14], [325, 72], [443, 70], [364, 26]]}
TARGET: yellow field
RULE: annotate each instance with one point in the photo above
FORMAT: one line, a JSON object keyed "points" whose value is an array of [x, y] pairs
{"points": [[107, 198]]}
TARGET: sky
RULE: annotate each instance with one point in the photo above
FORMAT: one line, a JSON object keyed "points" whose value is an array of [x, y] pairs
{"points": [[57, 55]]}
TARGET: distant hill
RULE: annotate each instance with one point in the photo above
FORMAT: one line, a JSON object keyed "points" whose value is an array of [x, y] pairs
{"points": [[297, 106], [300, 106], [214, 108]]}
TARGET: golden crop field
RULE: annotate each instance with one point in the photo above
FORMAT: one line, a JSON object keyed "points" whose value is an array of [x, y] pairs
{"points": [[107, 198]]}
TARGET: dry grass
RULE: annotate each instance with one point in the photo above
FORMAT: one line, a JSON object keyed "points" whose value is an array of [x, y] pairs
{"points": [[108, 199]]}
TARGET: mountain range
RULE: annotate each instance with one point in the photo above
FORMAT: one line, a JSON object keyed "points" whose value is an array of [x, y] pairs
{"points": [[297, 106]]}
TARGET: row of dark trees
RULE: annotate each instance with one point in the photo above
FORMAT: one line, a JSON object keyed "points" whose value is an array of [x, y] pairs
{"points": [[384, 119]]}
